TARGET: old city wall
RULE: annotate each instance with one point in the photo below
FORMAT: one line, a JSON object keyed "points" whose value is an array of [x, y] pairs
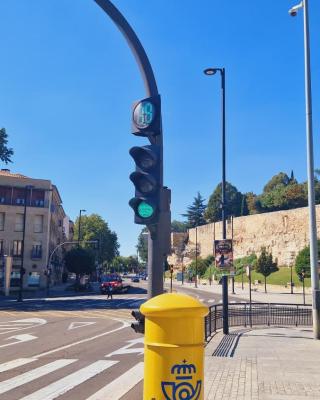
{"points": [[284, 233]]}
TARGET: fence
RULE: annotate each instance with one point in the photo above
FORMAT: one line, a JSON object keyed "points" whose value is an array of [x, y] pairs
{"points": [[244, 314]]}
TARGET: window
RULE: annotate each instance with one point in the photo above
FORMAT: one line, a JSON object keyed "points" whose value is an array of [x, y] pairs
{"points": [[17, 248], [19, 223], [2, 221], [1, 248], [36, 251], [38, 224]]}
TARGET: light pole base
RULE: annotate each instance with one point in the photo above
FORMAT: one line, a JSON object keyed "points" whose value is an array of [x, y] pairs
{"points": [[316, 323]]}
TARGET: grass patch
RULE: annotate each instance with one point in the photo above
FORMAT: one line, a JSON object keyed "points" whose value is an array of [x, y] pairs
{"points": [[281, 277]]}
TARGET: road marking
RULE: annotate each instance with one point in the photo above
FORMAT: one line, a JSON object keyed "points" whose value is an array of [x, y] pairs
{"points": [[76, 325], [211, 301], [15, 363], [67, 383], [20, 324], [20, 339], [124, 325], [127, 350], [121, 385], [29, 376]]}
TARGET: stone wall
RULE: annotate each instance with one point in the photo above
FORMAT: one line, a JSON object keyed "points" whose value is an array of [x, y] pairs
{"points": [[284, 233]]}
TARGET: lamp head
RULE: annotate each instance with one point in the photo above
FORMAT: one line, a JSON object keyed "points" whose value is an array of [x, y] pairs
{"points": [[210, 71], [294, 10]]}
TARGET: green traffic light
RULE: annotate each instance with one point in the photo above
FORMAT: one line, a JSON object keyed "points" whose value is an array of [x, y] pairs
{"points": [[145, 210]]}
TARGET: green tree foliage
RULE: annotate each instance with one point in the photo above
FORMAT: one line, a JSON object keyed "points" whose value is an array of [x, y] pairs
{"points": [[279, 180], [94, 227], [124, 264], [142, 246], [235, 203], [80, 261], [265, 265], [241, 263], [303, 260], [253, 203], [179, 226], [5, 152], [202, 265], [195, 212]]}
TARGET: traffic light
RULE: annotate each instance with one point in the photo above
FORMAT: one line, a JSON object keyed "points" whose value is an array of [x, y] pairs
{"points": [[138, 326], [146, 121]]}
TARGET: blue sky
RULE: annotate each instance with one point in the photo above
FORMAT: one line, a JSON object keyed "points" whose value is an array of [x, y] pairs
{"points": [[68, 80]]}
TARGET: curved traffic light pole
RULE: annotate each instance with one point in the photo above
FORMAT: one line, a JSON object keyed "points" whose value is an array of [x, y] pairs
{"points": [[159, 234]]}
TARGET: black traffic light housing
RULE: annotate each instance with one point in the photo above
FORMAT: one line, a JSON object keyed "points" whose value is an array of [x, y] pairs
{"points": [[138, 326]]}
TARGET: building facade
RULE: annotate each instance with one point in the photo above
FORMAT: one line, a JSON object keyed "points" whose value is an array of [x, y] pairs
{"points": [[32, 224]]}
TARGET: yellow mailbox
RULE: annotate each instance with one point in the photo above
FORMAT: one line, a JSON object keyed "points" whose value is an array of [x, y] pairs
{"points": [[174, 347]]}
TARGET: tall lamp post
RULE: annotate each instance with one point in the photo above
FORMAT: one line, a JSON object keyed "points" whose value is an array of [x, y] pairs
{"points": [[79, 226], [22, 270], [209, 72], [310, 167]]}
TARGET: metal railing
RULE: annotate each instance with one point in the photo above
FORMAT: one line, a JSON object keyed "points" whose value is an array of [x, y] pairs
{"points": [[244, 314]]}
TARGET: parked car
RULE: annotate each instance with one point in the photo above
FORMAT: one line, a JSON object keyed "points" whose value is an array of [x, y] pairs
{"points": [[135, 279], [112, 280]]}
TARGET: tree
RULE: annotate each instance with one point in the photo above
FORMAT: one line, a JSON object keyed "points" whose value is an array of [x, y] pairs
{"points": [[303, 260], [178, 226], [265, 265], [80, 261], [5, 152], [253, 203], [195, 212], [234, 203], [142, 246], [281, 179], [94, 227]]}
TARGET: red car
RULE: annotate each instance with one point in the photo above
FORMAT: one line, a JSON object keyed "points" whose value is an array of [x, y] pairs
{"points": [[112, 280]]}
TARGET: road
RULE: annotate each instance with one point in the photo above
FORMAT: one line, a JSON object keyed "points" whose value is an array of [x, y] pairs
{"points": [[75, 347]]}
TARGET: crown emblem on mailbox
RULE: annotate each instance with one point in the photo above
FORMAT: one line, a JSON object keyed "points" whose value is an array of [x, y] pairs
{"points": [[183, 388]]}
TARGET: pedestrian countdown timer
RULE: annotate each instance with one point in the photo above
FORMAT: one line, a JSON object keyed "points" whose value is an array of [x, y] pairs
{"points": [[144, 114], [145, 210]]}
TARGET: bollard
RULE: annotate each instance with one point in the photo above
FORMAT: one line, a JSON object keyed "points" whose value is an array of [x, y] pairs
{"points": [[173, 347]]}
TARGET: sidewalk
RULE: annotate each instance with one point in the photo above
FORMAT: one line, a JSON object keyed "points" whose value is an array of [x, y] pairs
{"points": [[275, 294], [263, 364]]}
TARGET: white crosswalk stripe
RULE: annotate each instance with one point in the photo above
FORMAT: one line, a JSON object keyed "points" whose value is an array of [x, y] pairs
{"points": [[121, 385], [67, 383], [113, 390], [211, 301], [29, 376], [15, 363]]}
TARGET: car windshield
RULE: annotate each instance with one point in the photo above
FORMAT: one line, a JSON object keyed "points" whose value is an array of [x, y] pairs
{"points": [[110, 279]]}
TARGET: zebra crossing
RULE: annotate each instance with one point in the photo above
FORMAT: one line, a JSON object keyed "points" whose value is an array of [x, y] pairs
{"points": [[115, 389]]}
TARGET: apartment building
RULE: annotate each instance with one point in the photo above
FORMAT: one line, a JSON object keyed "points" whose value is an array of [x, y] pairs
{"points": [[38, 202]]}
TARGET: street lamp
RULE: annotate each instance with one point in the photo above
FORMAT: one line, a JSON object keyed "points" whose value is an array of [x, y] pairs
{"points": [[79, 226], [310, 168], [209, 72], [22, 270]]}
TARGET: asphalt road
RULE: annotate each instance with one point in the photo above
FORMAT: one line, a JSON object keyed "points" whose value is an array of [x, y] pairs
{"points": [[74, 347]]}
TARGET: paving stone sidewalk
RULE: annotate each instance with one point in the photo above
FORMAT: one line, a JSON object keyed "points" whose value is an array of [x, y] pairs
{"points": [[263, 364]]}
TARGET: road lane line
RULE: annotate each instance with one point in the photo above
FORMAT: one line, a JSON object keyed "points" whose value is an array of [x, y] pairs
{"points": [[89, 339], [211, 301], [15, 363], [67, 383], [29, 376], [120, 386]]}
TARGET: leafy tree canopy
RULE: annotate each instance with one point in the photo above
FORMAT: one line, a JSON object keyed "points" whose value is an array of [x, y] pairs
{"points": [[79, 261], [265, 265], [281, 179], [235, 203], [195, 212], [303, 260], [142, 246], [5, 152], [94, 227], [179, 226]]}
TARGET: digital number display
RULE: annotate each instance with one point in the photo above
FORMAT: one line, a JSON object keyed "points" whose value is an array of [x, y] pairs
{"points": [[144, 114]]}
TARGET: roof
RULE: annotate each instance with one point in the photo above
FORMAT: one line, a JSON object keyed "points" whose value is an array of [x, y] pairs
{"points": [[6, 172]]}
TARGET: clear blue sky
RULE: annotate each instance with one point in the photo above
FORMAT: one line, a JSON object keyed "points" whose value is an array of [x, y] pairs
{"points": [[68, 80]]}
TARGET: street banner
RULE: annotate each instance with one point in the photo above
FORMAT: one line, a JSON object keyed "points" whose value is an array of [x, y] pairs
{"points": [[223, 254]]}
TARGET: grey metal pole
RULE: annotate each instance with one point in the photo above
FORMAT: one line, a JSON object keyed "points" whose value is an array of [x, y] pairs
{"points": [[223, 203], [311, 194], [22, 246]]}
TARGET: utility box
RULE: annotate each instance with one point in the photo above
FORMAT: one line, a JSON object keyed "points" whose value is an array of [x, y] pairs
{"points": [[174, 347]]}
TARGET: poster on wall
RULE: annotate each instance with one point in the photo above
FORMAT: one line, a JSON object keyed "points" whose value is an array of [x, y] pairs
{"points": [[223, 254]]}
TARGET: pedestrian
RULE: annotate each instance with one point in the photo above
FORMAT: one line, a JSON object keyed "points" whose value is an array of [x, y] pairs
{"points": [[110, 290]]}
